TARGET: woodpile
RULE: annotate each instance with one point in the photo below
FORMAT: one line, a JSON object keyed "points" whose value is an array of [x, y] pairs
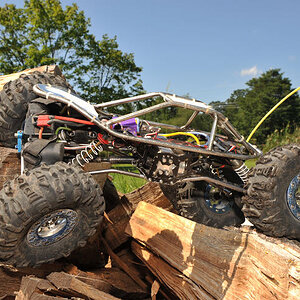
{"points": [[152, 253]]}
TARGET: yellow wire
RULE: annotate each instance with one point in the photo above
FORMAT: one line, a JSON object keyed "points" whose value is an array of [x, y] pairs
{"points": [[182, 133], [270, 111]]}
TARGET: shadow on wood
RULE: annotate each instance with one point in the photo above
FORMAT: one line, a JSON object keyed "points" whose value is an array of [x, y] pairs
{"points": [[224, 264]]}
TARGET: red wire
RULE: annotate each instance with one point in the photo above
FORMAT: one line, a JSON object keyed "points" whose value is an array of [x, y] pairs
{"points": [[74, 120], [41, 133]]}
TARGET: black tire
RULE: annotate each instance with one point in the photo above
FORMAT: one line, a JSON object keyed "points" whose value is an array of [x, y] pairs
{"points": [[267, 202], [14, 99], [61, 196], [193, 201], [110, 195]]}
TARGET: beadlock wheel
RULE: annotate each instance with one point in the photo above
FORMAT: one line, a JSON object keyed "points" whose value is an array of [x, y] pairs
{"points": [[216, 201], [293, 196], [272, 202], [47, 213], [205, 204], [52, 227]]}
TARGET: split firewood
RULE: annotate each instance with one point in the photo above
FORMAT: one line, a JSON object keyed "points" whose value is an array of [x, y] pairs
{"points": [[10, 164], [110, 280], [47, 69], [114, 231], [174, 280], [32, 286], [70, 284], [125, 267], [223, 263], [10, 277]]}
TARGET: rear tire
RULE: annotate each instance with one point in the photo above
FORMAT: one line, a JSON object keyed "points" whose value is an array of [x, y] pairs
{"points": [[14, 99], [204, 204], [47, 213], [272, 203]]}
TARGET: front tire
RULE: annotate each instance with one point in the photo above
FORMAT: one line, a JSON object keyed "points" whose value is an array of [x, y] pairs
{"points": [[47, 213], [272, 203]]}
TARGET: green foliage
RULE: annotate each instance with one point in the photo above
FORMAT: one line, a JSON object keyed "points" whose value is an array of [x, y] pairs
{"points": [[127, 184], [251, 163], [246, 107], [43, 32], [178, 116], [282, 137]]}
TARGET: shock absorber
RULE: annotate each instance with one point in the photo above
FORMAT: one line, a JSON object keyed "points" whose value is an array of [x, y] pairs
{"points": [[89, 153], [241, 169]]}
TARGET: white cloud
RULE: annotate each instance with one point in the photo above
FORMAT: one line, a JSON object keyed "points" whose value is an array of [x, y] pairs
{"points": [[250, 72]]}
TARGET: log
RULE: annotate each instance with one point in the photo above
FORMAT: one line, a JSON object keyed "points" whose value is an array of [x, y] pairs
{"points": [[32, 287], [9, 283], [10, 277], [125, 267], [70, 284], [10, 164], [114, 231], [110, 280], [44, 69], [224, 264], [168, 275]]}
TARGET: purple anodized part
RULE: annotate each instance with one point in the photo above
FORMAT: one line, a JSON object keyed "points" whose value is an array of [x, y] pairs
{"points": [[130, 125]]}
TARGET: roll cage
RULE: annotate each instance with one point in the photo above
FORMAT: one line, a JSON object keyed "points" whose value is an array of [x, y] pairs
{"points": [[91, 112]]}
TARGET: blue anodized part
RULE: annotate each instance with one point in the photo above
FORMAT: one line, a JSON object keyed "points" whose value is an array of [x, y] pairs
{"points": [[293, 196], [19, 136]]}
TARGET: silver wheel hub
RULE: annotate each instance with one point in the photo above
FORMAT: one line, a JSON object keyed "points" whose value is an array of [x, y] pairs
{"points": [[216, 201], [52, 227], [293, 196]]}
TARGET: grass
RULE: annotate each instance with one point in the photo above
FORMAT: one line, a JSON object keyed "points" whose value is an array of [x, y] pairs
{"points": [[126, 184], [250, 163]]}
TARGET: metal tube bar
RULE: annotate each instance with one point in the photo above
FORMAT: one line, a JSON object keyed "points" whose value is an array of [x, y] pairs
{"points": [[199, 178], [213, 133], [178, 146], [216, 182], [190, 120], [128, 100], [138, 113], [167, 126], [117, 171], [118, 160]]}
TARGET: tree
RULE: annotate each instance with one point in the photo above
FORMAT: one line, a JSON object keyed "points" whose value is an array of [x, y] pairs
{"points": [[109, 73], [246, 107], [43, 32]]}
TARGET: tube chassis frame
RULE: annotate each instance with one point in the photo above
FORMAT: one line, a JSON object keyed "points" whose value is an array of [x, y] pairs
{"points": [[90, 112]]}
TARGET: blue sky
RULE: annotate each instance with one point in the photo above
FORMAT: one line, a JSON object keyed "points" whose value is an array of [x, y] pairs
{"points": [[207, 49]]}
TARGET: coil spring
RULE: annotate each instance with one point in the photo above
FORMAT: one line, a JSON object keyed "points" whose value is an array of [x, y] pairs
{"points": [[242, 171], [89, 153]]}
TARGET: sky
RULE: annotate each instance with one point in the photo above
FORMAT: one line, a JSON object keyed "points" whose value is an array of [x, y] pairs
{"points": [[206, 49]]}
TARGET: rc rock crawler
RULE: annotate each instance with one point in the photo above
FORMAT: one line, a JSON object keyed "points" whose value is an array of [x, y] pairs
{"points": [[53, 206]]}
